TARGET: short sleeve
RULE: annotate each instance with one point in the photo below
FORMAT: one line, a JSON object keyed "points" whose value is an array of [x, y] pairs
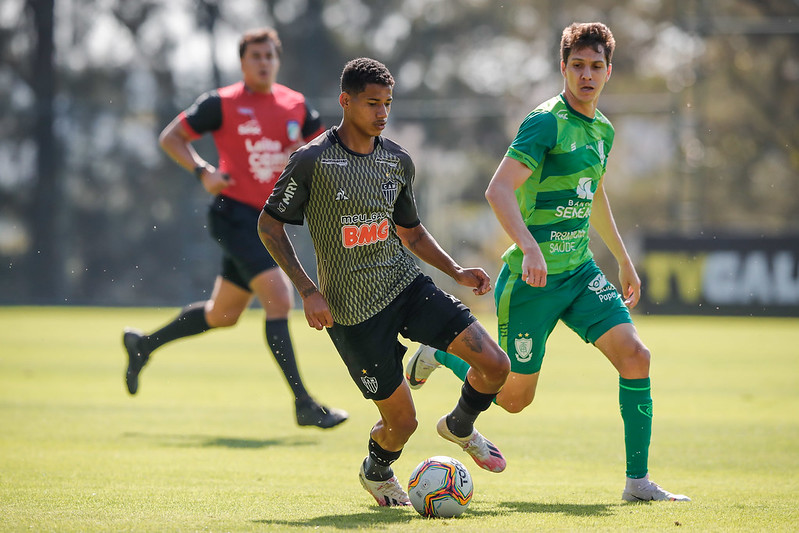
{"points": [[537, 134], [205, 114], [405, 213], [290, 195], [312, 126]]}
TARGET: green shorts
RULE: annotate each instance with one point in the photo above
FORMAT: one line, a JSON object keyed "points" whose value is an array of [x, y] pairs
{"points": [[583, 299]]}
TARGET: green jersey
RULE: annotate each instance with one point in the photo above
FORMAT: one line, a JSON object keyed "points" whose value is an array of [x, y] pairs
{"points": [[567, 153]]}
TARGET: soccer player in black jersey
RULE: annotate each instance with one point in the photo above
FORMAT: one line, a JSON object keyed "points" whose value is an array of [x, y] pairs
{"points": [[355, 188]]}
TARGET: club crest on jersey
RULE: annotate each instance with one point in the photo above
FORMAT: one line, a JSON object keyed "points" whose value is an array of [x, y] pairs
{"points": [[524, 348], [390, 190], [370, 383], [293, 130], [599, 149]]}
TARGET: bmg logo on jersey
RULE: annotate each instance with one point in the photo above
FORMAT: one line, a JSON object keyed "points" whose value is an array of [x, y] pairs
{"points": [[362, 230]]}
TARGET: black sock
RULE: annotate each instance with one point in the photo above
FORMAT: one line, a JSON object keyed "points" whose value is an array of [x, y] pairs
{"points": [[279, 341], [377, 465], [471, 403], [190, 321]]}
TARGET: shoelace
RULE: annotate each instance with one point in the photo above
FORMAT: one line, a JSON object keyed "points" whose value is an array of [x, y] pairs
{"points": [[477, 446], [391, 488]]}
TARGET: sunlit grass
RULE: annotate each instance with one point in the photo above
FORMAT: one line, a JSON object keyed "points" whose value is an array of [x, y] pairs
{"points": [[210, 444]]}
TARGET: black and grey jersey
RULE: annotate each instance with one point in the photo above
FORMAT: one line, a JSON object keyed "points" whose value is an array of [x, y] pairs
{"points": [[353, 204]]}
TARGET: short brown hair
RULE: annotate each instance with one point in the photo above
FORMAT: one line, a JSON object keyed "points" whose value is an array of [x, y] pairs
{"points": [[260, 35], [593, 34]]}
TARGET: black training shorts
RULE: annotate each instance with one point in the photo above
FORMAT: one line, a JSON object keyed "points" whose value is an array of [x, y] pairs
{"points": [[371, 350], [234, 226]]}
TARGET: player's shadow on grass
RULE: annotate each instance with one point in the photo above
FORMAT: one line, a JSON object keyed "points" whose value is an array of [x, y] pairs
{"points": [[383, 516], [571, 509], [206, 441], [376, 519]]}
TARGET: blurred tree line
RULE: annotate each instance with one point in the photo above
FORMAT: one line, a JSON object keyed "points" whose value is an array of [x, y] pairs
{"points": [[703, 96]]}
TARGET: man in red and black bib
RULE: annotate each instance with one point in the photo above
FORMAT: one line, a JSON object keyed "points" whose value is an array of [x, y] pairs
{"points": [[256, 124]]}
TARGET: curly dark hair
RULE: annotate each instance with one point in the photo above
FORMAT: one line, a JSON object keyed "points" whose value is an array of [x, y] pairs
{"points": [[358, 73], [595, 35]]}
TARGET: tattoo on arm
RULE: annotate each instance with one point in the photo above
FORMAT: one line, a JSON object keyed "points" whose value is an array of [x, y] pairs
{"points": [[279, 246], [417, 238]]}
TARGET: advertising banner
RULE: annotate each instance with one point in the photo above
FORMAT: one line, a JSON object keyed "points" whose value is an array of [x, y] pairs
{"points": [[731, 275]]}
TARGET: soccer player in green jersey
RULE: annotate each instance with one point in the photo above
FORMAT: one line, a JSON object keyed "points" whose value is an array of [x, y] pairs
{"points": [[355, 189], [545, 192]]}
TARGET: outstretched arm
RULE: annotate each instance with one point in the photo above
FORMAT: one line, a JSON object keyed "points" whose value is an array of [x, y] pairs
{"points": [[425, 247], [273, 234], [604, 224]]}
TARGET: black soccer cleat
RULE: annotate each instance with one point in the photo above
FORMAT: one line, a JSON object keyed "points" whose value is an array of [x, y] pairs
{"points": [[137, 358], [313, 414]]}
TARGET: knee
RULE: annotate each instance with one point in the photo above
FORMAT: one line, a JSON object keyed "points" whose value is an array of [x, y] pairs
{"points": [[636, 361], [220, 318], [515, 402], [278, 307], [408, 426], [498, 366], [400, 430], [642, 356]]}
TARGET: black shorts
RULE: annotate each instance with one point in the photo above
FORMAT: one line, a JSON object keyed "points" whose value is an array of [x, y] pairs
{"points": [[234, 226], [371, 350]]}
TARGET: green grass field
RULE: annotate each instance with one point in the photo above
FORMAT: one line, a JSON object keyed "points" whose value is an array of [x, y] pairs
{"points": [[210, 444]]}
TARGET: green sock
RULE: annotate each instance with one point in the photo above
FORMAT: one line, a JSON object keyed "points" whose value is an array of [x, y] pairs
{"points": [[458, 366], [635, 403]]}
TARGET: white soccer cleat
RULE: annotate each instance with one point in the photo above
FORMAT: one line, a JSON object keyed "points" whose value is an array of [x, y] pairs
{"points": [[420, 366], [485, 454], [645, 490], [388, 493]]}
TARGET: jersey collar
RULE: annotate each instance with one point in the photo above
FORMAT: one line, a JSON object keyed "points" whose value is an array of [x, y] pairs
{"points": [[575, 112], [337, 139]]}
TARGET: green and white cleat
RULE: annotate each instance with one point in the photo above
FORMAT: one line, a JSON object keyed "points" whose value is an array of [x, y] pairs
{"points": [[420, 366], [645, 490]]}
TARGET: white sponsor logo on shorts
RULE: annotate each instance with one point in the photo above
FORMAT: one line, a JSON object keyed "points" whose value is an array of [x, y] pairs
{"points": [[598, 283], [604, 291]]}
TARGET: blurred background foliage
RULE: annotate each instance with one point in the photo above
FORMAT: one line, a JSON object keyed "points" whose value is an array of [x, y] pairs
{"points": [[704, 97]]}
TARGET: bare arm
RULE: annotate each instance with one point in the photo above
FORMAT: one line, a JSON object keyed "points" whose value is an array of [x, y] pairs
{"points": [[425, 247], [501, 195], [273, 234], [604, 224], [176, 142]]}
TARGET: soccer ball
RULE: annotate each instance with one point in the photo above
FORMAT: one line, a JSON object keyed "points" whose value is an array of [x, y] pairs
{"points": [[440, 487]]}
